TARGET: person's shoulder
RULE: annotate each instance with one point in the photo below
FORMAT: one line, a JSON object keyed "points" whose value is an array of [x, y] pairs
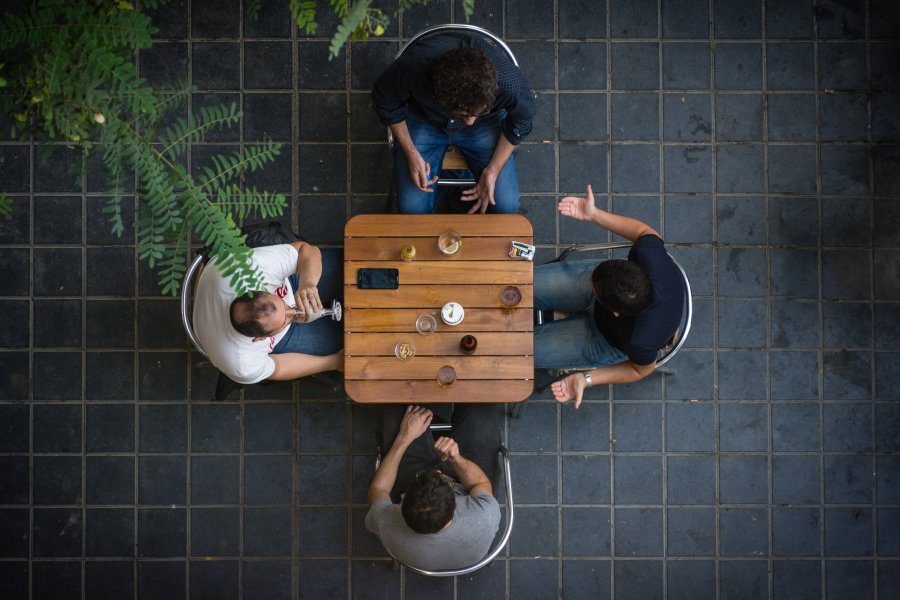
{"points": [[649, 240]]}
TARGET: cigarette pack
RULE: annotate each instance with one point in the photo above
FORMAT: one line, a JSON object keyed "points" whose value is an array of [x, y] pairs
{"points": [[521, 250]]}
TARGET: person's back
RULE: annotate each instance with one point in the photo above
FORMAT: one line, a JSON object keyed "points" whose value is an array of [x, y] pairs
{"points": [[462, 543]]}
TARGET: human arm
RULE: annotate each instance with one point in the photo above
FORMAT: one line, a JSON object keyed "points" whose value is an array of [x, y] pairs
{"points": [[293, 365], [472, 478], [419, 170], [573, 386], [309, 266], [483, 192], [584, 209], [415, 422]]}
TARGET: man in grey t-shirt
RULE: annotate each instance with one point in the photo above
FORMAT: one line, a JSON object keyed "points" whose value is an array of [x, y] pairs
{"points": [[448, 515]]}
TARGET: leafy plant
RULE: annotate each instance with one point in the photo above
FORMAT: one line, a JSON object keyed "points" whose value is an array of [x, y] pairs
{"points": [[70, 75], [358, 18]]}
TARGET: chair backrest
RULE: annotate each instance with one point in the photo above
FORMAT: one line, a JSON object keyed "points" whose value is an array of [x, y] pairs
{"points": [[187, 288], [460, 27], [668, 351]]}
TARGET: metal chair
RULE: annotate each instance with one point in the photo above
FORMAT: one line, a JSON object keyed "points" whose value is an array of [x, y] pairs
{"points": [[666, 353], [454, 160], [507, 531]]}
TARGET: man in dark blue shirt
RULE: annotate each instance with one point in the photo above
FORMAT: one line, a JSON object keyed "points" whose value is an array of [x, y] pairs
{"points": [[455, 88], [621, 312]]}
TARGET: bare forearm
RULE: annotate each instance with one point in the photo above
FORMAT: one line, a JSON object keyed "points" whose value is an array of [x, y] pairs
{"points": [[309, 265], [469, 473], [623, 372], [501, 154], [402, 139], [295, 365], [627, 227], [386, 475]]}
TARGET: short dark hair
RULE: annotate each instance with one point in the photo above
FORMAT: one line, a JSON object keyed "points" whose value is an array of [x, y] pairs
{"points": [[429, 503], [622, 286], [464, 80], [247, 310]]}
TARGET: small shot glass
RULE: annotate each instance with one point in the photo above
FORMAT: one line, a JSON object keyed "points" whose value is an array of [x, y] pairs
{"points": [[404, 350], [426, 324]]}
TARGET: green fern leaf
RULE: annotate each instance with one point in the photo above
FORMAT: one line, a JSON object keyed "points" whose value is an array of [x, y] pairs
{"points": [[349, 24]]}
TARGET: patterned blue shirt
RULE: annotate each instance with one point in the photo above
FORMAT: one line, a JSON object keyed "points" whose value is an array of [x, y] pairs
{"points": [[406, 85]]}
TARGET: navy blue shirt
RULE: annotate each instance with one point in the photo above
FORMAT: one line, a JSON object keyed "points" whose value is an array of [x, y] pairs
{"points": [[641, 336], [406, 85]]}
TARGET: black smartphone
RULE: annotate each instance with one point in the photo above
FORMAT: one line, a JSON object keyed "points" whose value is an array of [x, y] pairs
{"points": [[378, 279]]}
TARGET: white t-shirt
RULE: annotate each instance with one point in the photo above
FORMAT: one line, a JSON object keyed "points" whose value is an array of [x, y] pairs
{"points": [[237, 355]]}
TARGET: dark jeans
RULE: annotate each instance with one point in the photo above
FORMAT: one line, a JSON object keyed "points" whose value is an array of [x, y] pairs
{"points": [[476, 429]]}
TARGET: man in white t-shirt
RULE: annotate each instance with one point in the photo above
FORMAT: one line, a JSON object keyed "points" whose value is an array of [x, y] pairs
{"points": [[254, 338]]}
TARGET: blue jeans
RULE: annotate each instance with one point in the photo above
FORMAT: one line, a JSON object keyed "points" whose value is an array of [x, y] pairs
{"points": [[325, 336], [477, 143], [574, 342]]}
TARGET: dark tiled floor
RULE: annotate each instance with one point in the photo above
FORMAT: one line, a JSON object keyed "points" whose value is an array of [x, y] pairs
{"points": [[762, 138]]}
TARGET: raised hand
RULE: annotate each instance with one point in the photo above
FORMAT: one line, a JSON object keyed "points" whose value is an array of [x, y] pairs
{"points": [[569, 387], [577, 207]]}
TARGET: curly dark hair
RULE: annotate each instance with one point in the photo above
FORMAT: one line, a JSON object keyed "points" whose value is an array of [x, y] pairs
{"points": [[464, 81], [247, 310], [622, 286], [429, 503]]}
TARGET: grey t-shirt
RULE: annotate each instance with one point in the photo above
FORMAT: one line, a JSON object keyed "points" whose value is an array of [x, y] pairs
{"points": [[465, 542]]}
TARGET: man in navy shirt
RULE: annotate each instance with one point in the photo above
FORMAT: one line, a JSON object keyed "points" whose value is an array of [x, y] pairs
{"points": [[621, 312], [455, 88]]}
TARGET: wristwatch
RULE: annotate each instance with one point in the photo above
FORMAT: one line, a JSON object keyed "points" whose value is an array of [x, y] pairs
{"points": [[587, 378]]}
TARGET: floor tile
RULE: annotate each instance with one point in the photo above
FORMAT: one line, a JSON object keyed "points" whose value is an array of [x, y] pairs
{"points": [[586, 479], [214, 579], [792, 169], [789, 66], [110, 375], [690, 479], [795, 479], [743, 479], [800, 579], [847, 375], [162, 480], [56, 532], [582, 66], [56, 580], [216, 65], [635, 66], [690, 579], [637, 579], [742, 376], [639, 532], [272, 579], [162, 579], [109, 532], [794, 376], [109, 480], [795, 532], [743, 532], [684, 62], [848, 479], [541, 537], [853, 178], [637, 427], [744, 580], [162, 533], [844, 117], [794, 324], [56, 480], [691, 532], [739, 117], [215, 531], [637, 479], [738, 66], [795, 428], [215, 480], [584, 579], [115, 578], [837, 20], [633, 19], [740, 168], [267, 479], [848, 532]]}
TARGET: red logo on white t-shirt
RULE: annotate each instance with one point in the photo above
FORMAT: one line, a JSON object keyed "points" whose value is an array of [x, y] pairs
{"points": [[282, 291]]}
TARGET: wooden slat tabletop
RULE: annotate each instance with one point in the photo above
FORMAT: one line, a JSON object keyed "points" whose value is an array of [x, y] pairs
{"points": [[501, 369]]}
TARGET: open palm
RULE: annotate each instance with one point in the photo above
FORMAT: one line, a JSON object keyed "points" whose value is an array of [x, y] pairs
{"points": [[578, 207]]}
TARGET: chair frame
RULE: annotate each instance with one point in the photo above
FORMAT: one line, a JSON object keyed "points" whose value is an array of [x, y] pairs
{"points": [[186, 289], [461, 27], [507, 531]]}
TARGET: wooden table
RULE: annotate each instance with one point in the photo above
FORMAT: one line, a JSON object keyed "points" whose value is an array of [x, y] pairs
{"points": [[502, 367]]}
